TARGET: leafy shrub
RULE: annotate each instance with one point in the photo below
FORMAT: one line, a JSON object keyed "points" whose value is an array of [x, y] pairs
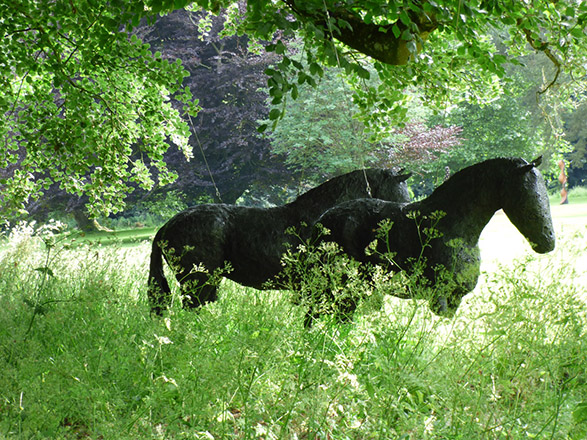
{"points": [[153, 211]]}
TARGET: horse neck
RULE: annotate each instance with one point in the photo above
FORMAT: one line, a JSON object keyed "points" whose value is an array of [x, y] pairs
{"points": [[310, 207], [314, 202], [468, 202]]}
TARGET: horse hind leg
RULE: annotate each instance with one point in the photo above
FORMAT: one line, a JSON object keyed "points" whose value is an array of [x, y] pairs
{"points": [[197, 289], [158, 299]]}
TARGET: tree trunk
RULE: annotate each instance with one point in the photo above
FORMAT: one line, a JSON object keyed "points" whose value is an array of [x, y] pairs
{"points": [[390, 43], [84, 223]]}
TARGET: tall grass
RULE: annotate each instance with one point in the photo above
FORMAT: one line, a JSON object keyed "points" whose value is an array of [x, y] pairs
{"points": [[80, 357]]}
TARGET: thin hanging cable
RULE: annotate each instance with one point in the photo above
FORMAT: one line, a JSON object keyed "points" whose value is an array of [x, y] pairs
{"points": [[347, 101], [205, 160]]}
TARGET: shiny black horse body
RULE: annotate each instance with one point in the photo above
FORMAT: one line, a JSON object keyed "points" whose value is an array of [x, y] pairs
{"points": [[457, 211], [252, 240]]}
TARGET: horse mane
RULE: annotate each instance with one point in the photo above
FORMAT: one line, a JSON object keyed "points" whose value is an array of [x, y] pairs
{"points": [[466, 182], [335, 188]]}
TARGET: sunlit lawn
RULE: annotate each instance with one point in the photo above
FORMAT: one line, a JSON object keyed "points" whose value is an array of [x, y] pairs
{"points": [[501, 242]]}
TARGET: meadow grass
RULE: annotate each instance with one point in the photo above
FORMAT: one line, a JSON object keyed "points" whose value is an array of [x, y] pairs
{"points": [[576, 195], [80, 357]]}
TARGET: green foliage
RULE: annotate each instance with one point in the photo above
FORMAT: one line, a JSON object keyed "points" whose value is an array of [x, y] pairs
{"points": [[326, 281], [502, 128], [78, 96], [443, 47], [317, 133], [576, 134], [166, 206], [511, 364], [152, 211], [578, 194], [320, 132]]}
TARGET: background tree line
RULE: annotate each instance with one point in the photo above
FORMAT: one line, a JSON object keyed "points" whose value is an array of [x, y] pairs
{"points": [[208, 82]]}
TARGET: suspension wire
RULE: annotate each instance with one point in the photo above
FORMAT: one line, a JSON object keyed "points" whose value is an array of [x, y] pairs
{"points": [[205, 160], [348, 108], [347, 101]]}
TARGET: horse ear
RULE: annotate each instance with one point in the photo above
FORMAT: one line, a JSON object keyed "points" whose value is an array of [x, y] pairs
{"points": [[403, 177], [525, 168], [536, 162]]}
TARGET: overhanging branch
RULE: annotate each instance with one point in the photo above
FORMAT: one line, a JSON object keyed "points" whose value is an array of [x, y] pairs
{"points": [[543, 47], [377, 41]]}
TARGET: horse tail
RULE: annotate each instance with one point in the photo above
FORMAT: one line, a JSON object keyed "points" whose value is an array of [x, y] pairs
{"points": [[159, 292]]}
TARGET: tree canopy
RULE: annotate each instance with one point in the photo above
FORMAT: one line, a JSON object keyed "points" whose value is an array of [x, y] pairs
{"points": [[444, 48], [228, 81], [81, 95]]}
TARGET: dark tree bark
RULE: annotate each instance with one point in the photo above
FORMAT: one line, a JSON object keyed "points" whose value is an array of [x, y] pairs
{"points": [[83, 221], [378, 41]]}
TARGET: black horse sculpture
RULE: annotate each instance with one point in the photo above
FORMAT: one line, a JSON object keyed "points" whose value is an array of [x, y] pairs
{"points": [[252, 240], [457, 210]]}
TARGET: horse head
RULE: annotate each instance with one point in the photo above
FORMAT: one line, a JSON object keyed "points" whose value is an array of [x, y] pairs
{"points": [[525, 202], [389, 185]]}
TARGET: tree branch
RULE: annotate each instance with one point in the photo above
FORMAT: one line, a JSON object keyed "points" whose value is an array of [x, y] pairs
{"points": [[543, 47], [377, 41]]}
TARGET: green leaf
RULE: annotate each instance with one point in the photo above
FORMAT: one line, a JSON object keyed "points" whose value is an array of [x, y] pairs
{"points": [[180, 4], [297, 64], [578, 33], [407, 35], [274, 114], [45, 270], [370, 389], [316, 69], [280, 48], [276, 92], [580, 413], [361, 71], [396, 31]]}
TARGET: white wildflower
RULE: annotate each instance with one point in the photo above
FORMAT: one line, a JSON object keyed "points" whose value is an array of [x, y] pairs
{"points": [[429, 424], [163, 340]]}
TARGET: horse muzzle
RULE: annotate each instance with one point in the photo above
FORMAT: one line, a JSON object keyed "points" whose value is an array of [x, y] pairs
{"points": [[546, 244]]}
